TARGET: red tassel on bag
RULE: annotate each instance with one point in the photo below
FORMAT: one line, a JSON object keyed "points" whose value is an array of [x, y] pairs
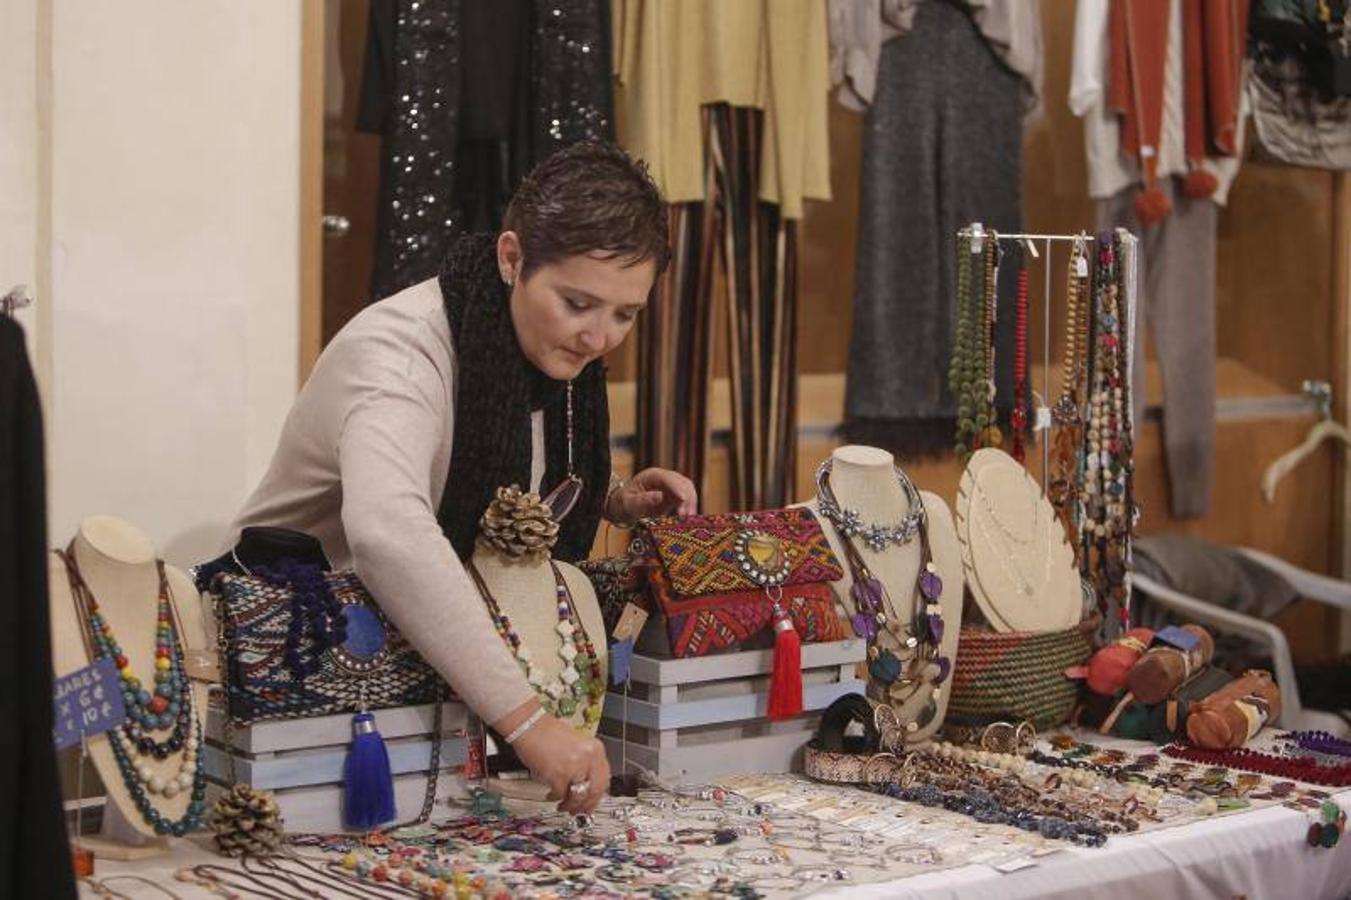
{"points": [[785, 686]]}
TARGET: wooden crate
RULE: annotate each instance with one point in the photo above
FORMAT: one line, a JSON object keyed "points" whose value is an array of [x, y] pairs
{"points": [[301, 760], [697, 718]]}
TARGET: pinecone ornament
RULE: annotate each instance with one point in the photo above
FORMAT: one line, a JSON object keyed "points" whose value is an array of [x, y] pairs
{"points": [[518, 525], [246, 822]]}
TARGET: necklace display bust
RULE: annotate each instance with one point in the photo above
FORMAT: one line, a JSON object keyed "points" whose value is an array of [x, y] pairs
{"points": [[118, 564], [866, 489]]}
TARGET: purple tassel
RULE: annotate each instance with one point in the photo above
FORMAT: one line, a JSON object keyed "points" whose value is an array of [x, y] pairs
{"points": [[944, 669], [368, 784]]}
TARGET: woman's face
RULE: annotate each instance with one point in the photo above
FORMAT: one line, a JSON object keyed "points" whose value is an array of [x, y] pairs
{"points": [[575, 310]]}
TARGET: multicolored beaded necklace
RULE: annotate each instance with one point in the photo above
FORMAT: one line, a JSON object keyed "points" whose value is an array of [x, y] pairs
{"points": [[169, 707], [581, 681], [1109, 508]]}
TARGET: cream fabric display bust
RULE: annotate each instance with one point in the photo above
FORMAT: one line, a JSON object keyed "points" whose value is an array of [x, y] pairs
{"points": [[117, 563], [1018, 562], [864, 479], [525, 591]]}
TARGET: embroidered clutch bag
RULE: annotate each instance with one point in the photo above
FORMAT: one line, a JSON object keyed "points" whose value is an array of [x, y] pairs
{"points": [[719, 580], [300, 641]]}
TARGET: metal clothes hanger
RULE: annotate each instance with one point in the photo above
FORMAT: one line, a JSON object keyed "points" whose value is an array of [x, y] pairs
{"points": [[1326, 429]]}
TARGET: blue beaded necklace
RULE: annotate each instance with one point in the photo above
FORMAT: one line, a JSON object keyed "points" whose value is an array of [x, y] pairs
{"points": [[168, 707]]}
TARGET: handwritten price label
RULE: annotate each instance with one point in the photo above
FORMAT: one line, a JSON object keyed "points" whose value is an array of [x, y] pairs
{"points": [[88, 702]]}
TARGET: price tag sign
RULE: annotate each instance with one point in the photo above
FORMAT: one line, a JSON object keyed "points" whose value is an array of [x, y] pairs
{"points": [[88, 702]]}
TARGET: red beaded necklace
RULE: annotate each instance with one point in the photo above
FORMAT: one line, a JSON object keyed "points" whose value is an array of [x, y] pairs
{"points": [[1298, 768], [1018, 418]]}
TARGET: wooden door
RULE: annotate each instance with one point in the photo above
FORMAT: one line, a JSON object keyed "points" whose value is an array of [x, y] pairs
{"points": [[340, 174]]}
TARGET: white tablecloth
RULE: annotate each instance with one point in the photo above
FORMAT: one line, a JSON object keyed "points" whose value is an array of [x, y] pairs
{"points": [[1254, 855]]}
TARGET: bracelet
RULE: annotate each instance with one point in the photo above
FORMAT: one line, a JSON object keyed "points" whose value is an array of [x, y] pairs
{"points": [[616, 484], [525, 726]]}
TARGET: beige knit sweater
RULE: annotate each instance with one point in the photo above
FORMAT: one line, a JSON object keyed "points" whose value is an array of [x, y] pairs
{"points": [[362, 465]]}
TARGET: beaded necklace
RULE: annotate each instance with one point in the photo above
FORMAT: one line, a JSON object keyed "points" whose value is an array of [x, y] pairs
{"points": [[971, 371], [168, 708], [1018, 416], [1108, 519], [581, 680], [987, 421], [916, 647], [1066, 488], [1318, 742], [962, 348], [1300, 768]]}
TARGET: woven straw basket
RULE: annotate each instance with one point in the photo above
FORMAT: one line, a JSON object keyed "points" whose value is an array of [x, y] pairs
{"points": [[1018, 675]]}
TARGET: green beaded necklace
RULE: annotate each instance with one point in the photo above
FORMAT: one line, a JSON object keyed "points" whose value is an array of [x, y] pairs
{"points": [[971, 372], [581, 680]]}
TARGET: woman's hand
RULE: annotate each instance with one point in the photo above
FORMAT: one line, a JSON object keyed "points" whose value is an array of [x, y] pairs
{"points": [[652, 492], [561, 756]]}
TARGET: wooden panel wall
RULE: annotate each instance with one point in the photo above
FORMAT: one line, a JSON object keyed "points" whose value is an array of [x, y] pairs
{"points": [[1275, 258]]}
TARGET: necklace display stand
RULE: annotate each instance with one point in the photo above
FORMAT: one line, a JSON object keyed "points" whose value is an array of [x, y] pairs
{"points": [[1018, 563], [117, 563], [864, 479], [525, 592]]}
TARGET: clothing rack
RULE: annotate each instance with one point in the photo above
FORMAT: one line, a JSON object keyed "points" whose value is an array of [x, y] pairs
{"points": [[1042, 422], [15, 300]]}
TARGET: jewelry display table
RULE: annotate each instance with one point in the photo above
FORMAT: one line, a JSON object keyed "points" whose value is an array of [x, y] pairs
{"points": [[781, 836]]}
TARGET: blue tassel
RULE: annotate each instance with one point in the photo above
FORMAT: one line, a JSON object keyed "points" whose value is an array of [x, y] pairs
{"points": [[368, 785]]}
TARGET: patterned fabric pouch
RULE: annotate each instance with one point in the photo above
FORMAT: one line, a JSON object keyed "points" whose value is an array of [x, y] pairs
{"points": [[722, 581], [298, 641]]}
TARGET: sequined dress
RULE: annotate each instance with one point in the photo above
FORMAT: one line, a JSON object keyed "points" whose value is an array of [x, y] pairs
{"points": [[469, 96]]}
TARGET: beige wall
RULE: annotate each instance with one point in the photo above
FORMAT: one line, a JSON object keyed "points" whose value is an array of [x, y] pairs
{"points": [[165, 245], [19, 153]]}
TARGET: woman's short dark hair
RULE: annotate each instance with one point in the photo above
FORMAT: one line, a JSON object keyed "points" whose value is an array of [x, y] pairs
{"points": [[587, 197]]}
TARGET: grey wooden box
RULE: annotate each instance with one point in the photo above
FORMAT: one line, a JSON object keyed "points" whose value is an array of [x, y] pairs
{"points": [[301, 760], [692, 719]]}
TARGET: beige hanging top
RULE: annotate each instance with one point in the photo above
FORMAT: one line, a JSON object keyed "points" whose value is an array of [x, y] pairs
{"points": [[673, 56]]}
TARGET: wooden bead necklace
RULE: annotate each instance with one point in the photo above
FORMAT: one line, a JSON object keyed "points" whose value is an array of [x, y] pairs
{"points": [[1067, 417]]}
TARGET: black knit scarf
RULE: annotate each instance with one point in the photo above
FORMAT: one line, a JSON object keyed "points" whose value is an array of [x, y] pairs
{"points": [[496, 389]]}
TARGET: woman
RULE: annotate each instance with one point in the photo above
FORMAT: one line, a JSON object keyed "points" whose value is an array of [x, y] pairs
{"points": [[428, 401]]}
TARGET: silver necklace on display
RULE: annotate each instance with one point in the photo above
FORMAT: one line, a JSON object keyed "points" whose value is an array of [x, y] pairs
{"points": [[849, 522]]}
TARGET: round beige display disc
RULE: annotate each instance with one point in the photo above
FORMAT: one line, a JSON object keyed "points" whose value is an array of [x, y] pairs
{"points": [[1018, 563]]}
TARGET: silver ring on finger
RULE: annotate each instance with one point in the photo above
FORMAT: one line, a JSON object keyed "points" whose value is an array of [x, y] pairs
{"points": [[579, 788]]}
